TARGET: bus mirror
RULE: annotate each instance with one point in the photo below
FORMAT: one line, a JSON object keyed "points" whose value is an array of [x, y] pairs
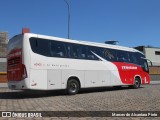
{"points": [[147, 60], [25, 30]]}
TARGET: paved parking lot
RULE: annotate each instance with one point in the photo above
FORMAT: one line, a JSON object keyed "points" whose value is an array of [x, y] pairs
{"points": [[147, 98]]}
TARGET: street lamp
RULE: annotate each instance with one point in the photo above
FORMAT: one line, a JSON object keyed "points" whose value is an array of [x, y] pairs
{"points": [[68, 18]]}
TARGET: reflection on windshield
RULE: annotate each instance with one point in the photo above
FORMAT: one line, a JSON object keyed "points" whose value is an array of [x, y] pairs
{"points": [[14, 44]]}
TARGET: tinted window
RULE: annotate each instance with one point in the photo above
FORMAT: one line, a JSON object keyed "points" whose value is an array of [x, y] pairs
{"points": [[139, 57], [57, 49], [142, 62], [122, 56], [40, 46], [34, 44], [14, 43], [91, 51], [83, 52], [52, 48], [68, 49], [109, 54], [132, 57], [48, 47], [157, 52], [75, 51]]}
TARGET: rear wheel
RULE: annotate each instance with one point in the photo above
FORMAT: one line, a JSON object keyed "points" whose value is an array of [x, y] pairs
{"points": [[72, 87]]}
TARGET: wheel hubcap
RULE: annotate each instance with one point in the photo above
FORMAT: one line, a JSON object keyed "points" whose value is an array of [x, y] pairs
{"points": [[137, 83], [73, 87]]}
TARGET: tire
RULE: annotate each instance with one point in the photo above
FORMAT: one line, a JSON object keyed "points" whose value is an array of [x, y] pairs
{"points": [[137, 83], [72, 87]]}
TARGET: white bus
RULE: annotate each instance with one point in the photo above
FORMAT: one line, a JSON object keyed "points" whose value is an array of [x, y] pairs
{"points": [[40, 62]]}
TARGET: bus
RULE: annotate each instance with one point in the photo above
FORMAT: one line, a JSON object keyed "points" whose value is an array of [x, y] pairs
{"points": [[39, 62]]}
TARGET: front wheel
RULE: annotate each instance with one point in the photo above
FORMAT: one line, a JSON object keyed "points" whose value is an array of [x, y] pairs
{"points": [[72, 87], [136, 84]]}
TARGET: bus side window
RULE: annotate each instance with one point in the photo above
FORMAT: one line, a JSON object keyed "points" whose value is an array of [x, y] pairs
{"points": [[83, 52], [78, 52], [43, 47], [140, 61], [90, 51], [109, 54], [69, 50], [34, 44], [74, 51], [122, 56], [57, 49], [132, 57]]}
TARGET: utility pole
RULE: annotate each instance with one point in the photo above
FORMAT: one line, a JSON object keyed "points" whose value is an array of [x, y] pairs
{"points": [[68, 18]]}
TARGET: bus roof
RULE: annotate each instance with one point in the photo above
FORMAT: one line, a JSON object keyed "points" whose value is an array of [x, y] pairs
{"points": [[82, 42]]}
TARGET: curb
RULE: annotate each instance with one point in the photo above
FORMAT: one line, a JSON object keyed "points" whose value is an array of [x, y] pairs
{"points": [[3, 85], [155, 82]]}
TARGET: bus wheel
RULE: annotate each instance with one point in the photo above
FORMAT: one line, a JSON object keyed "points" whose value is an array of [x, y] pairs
{"points": [[72, 87], [137, 83]]}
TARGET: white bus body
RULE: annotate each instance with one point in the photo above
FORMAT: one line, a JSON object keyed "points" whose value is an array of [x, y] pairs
{"points": [[31, 64]]}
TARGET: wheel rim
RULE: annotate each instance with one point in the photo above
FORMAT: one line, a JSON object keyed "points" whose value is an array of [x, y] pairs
{"points": [[73, 87], [137, 83]]}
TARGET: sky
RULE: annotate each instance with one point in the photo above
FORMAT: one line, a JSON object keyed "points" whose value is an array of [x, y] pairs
{"points": [[131, 22]]}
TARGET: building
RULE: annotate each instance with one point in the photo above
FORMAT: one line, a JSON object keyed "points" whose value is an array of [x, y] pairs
{"points": [[3, 53], [153, 56], [151, 53]]}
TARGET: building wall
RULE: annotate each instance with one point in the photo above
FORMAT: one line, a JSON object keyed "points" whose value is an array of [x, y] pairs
{"points": [[153, 54], [3, 53], [3, 65], [3, 44]]}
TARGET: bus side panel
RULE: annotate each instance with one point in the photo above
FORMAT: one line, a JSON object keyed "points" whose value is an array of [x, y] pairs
{"points": [[97, 78], [26, 56], [105, 77], [54, 79], [66, 74], [112, 76], [91, 78], [115, 78], [127, 72], [38, 79]]}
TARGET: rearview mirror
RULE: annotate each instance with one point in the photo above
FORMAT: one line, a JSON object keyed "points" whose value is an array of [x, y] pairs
{"points": [[147, 60]]}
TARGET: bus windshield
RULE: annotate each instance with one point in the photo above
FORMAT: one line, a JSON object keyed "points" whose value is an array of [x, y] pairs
{"points": [[14, 44], [142, 62]]}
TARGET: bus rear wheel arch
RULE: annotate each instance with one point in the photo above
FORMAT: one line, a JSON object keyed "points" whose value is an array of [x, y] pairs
{"points": [[73, 86]]}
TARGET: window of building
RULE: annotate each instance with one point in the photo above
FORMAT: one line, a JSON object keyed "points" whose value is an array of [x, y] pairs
{"points": [[157, 52]]}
